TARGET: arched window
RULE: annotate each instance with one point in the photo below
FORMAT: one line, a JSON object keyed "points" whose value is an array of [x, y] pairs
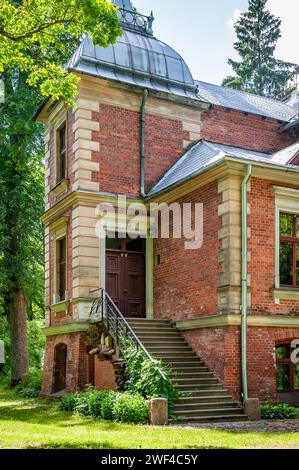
{"points": [[59, 373], [287, 374]]}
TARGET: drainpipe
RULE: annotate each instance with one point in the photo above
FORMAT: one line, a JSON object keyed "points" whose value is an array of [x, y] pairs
{"points": [[244, 283], [142, 155]]}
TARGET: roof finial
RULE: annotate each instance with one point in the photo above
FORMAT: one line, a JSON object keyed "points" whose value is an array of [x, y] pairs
{"points": [[124, 4], [130, 19]]}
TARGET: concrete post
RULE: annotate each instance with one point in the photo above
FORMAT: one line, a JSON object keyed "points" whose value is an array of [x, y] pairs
{"points": [[158, 411], [252, 409]]}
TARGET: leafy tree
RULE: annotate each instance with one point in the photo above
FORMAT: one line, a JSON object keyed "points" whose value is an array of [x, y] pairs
{"points": [[21, 205], [258, 71], [31, 33], [36, 38]]}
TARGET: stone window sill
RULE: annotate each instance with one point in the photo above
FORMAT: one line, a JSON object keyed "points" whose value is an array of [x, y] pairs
{"points": [[60, 187], [282, 293], [61, 307]]}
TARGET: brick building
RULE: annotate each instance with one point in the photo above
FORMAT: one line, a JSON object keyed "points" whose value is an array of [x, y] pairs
{"points": [[145, 129]]}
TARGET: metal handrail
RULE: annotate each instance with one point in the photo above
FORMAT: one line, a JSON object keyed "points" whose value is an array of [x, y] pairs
{"points": [[116, 323]]}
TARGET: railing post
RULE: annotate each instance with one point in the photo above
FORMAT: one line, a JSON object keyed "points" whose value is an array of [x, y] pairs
{"points": [[102, 305], [116, 328]]}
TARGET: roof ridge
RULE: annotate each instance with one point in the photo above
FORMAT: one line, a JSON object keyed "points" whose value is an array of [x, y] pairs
{"points": [[245, 92]]}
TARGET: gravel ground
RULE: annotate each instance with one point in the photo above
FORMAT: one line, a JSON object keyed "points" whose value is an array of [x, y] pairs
{"points": [[288, 426]]}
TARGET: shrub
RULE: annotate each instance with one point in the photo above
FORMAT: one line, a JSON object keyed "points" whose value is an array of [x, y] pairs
{"points": [[32, 381], [28, 393], [107, 407], [68, 402], [278, 411], [96, 401], [143, 376], [106, 404], [130, 408]]}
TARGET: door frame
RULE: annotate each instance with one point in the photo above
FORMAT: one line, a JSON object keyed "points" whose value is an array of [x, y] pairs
{"points": [[148, 278]]}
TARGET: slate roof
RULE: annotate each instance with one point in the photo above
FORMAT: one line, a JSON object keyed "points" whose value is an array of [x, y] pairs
{"points": [[247, 102], [204, 155]]}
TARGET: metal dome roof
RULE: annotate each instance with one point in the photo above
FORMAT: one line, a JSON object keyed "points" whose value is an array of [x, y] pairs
{"points": [[137, 58]]}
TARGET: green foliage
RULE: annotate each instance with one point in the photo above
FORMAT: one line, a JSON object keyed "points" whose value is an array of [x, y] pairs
{"points": [[32, 381], [28, 393], [130, 408], [68, 402], [107, 405], [259, 71], [34, 33], [144, 376], [279, 411]]}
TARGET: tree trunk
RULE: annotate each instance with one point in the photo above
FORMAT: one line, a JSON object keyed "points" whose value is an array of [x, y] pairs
{"points": [[18, 338]]}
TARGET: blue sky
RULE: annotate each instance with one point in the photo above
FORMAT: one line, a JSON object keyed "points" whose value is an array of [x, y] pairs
{"points": [[202, 32]]}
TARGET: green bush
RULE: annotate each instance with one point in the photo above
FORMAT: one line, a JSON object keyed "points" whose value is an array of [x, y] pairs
{"points": [[278, 411], [130, 408], [143, 376], [68, 402], [32, 381], [28, 393], [96, 401], [107, 407]]}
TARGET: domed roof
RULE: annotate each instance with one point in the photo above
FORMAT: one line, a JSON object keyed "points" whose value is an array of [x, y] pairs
{"points": [[137, 58]]}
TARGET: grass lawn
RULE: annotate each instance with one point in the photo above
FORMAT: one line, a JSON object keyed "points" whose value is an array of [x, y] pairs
{"points": [[34, 424]]}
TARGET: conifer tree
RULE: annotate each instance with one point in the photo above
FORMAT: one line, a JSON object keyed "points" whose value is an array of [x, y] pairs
{"points": [[259, 71]]}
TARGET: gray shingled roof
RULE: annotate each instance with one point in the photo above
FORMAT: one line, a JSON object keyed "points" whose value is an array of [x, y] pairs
{"points": [[247, 102], [204, 155]]}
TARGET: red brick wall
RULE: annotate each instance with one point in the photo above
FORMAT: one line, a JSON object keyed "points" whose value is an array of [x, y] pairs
{"points": [[104, 374], [119, 154], [185, 283], [238, 129], [261, 245], [220, 349], [75, 365], [163, 145]]}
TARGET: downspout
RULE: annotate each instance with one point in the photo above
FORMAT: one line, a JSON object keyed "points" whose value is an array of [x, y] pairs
{"points": [[142, 154], [244, 283]]}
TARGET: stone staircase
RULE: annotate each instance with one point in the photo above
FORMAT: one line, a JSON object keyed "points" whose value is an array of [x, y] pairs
{"points": [[203, 398]]}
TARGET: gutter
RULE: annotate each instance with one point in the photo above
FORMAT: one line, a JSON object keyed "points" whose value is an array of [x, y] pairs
{"points": [[244, 187], [142, 134]]}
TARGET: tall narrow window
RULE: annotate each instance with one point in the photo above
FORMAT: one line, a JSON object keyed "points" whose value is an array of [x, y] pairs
{"points": [[289, 250], [61, 156], [61, 268]]}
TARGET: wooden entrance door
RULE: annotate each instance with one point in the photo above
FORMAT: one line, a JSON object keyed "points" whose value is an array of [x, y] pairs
{"points": [[125, 281]]}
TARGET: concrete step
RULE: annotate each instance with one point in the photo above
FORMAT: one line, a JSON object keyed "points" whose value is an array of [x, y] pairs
{"points": [[164, 341], [216, 418], [208, 412], [195, 380], [190, 407], [194, 388], [193, 375], [180, 355], [204, 398]]}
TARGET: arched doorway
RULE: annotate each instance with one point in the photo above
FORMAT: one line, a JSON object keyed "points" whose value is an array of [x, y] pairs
{"points": [[59, 373]]}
